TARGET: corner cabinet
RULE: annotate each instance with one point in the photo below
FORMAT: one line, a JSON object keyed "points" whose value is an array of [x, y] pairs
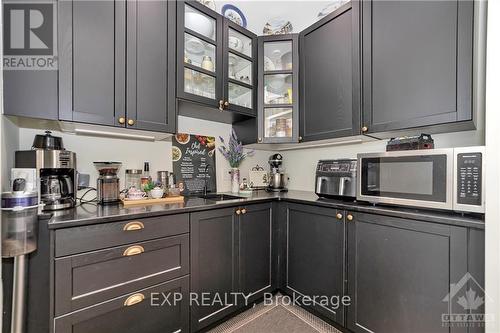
{"points": [[278, 86], [230, 253], [109, 53], [417, 63], [330, 76], [314, 256], [215, 60]]}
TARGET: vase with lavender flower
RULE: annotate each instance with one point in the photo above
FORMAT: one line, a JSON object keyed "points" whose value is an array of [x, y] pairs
{"points": [[234, 153]]}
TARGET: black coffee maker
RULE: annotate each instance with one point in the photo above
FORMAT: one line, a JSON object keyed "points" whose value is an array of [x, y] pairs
{"points": [[56, 171]]}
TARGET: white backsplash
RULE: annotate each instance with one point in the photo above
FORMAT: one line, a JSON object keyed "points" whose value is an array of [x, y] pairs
{"points": [[133, 153], [301, 164]]}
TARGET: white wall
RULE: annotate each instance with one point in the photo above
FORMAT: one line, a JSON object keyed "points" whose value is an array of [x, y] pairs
{"points": [[258, 12], [10, 143], [133, 153], [301, 164]]}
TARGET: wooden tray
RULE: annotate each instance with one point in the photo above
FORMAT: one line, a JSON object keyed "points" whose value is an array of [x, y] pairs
{"points": [[151, 201]]}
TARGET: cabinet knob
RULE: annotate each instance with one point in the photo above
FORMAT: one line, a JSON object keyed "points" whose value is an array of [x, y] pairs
{"points": [[121, 120], [350, 217], [133, 250], [134, 225], [221, 105], [300, 138], [339, 216], [226, 104], [243, 211], [364, 129], [134, 299], [131, 122], [238, 212], [260, 140]]}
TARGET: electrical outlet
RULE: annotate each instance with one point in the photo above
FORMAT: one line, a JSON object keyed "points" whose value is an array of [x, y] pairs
{"points": [[227, 175]]}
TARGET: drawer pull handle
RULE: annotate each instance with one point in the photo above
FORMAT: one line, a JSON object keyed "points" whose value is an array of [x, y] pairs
{"points": [[133, 250], [339, 216], [131, 226], [243, 211], [134, 299], [350, 217]]}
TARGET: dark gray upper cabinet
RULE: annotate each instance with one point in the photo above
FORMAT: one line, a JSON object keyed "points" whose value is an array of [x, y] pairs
{"points": [[405, 268], [151, 65], [216, 63], [255, 251], [330, 76], [92, 61], [116, 63], [214, 257], [417, 63], [315, 265], [278, 83]]}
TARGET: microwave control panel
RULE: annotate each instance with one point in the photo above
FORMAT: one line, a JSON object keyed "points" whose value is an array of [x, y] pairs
{"points": [[469, 178]]}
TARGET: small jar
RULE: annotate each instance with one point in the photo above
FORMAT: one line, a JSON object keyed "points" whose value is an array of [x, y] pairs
{"points": [[133, 178]]}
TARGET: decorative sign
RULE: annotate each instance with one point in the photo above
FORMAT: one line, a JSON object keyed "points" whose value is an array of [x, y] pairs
{"points": [[193, 158]]}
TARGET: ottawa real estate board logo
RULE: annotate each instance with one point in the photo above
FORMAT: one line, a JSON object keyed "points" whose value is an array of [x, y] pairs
{"points": [[29, 35]]}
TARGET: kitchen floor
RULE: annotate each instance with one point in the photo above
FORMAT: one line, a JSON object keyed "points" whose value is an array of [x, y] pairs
{"points": [[279, 317]]}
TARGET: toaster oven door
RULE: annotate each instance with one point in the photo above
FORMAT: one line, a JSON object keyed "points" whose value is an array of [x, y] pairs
{"points": [[421, 179]]}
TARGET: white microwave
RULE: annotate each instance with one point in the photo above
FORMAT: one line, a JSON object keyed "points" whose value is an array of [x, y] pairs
{"points": [[450, 179]]}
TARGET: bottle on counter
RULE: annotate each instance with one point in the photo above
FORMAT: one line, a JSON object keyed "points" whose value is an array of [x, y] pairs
{"points": [[146, 176]]}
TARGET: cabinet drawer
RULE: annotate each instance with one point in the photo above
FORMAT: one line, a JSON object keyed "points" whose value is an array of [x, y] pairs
{"points": [[116, 317], [86, 279], [99, 236]]}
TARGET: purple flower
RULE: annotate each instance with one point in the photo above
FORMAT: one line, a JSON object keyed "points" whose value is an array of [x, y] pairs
{"points": [[234, 152]]}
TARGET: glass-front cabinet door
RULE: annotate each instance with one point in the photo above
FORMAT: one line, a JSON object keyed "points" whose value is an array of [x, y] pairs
{"points": [[199, 54], [278, 89], [240, 49]]}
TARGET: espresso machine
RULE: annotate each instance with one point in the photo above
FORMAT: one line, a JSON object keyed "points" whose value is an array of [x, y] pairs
{"points": [[278, 179], [55, 171]]}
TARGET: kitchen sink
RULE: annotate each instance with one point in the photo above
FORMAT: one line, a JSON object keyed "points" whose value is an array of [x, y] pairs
{"points": [[219, 197]]}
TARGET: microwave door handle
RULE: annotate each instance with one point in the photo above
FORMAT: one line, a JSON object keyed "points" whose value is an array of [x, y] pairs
{"points": [[342, 182]]}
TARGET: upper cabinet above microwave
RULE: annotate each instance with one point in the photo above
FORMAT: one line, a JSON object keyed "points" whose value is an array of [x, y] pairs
{"points": [[215, 62], [417, 64]]}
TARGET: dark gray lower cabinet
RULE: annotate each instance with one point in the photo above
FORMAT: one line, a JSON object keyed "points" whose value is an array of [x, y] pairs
{"points": [[315, 264], [230, 253], [146, 316], [255, 250], [213, 265], [399, 273]]}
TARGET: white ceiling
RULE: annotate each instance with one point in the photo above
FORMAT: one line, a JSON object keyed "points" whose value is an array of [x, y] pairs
{"points": [[258, 12]]}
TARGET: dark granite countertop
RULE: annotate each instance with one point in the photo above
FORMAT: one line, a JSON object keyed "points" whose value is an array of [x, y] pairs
{"points": [[92, 213]]}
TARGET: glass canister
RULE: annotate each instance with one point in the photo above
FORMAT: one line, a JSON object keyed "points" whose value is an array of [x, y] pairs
{"points": [[133, 178], [19, 223]]}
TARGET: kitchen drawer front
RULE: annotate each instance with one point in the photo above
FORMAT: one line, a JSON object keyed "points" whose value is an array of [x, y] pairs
{"points": [[98, 236], [145, 317], [86, 279]]}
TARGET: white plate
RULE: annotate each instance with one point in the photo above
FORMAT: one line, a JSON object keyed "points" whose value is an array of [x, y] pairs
{"points": [[194, 45]]}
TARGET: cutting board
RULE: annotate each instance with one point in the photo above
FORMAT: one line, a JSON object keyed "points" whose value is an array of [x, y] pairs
{"points": [[151, 201]]}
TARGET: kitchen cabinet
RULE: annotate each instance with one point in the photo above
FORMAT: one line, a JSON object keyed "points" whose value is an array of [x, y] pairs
{"points": [[315, 252], [330, 76], [230, 253], [110, 54], [151, 65], [214, 262], [255, 235], [417, 64], [406, 268], [216, 63], [278, 85], [141, 311]]}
